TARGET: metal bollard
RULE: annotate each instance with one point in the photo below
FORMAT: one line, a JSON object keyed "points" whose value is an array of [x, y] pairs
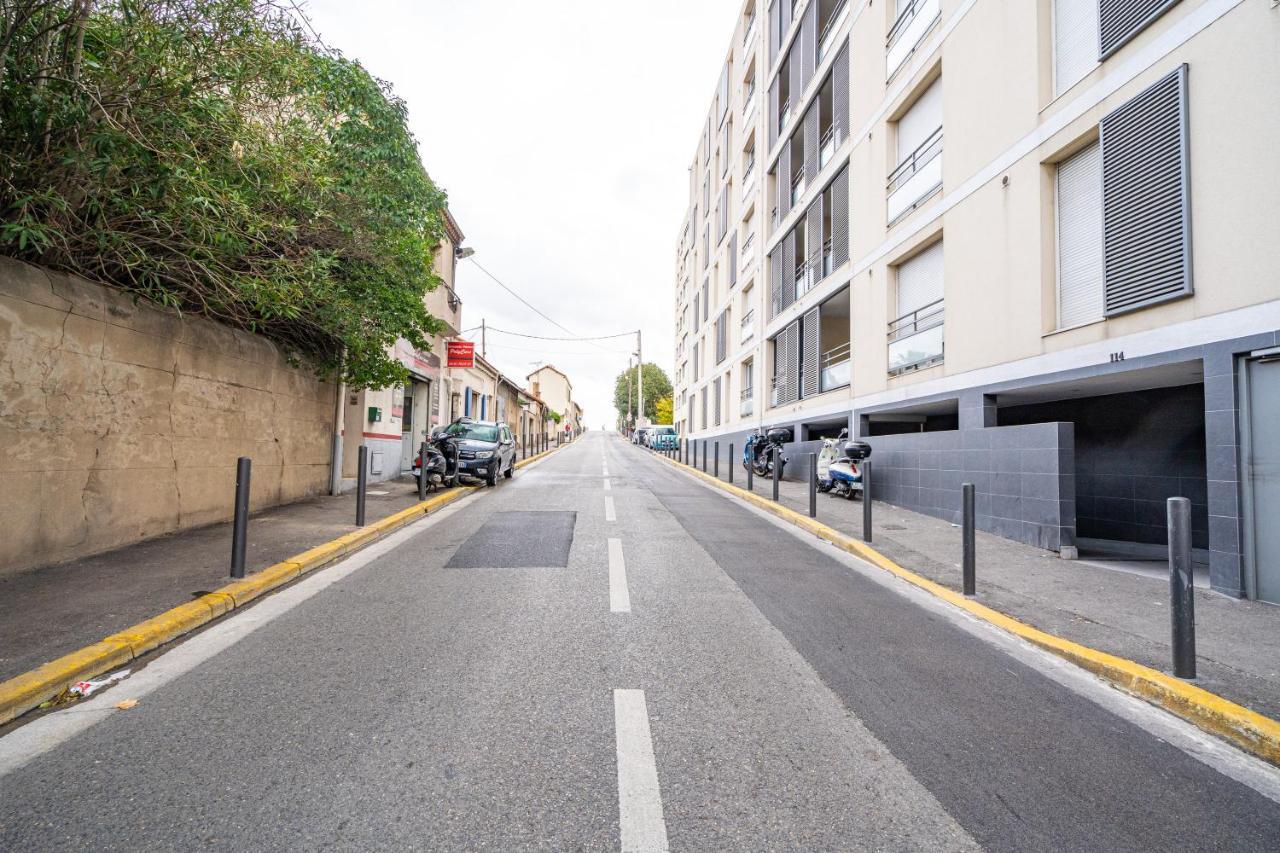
{"points": [[704, 456], [422, 473], [1182, 609], [524, 446], [969, 542], [240, 526], [813, 485], [715, 465], [777, 472], [750, 477], [730, 462], [362, 481], [866, 500]]}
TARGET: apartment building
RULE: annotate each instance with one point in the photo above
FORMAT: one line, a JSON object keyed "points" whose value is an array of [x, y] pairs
{"points": [[1027, 244]]}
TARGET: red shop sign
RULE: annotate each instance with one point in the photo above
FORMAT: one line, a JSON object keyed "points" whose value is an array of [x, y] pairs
{"points": [[461, 353]]}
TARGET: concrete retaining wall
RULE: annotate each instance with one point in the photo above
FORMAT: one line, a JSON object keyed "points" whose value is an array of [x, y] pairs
{"points": [[122, 421]]}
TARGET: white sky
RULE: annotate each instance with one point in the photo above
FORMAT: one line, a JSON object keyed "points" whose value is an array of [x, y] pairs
{"points": [[562, 131]]}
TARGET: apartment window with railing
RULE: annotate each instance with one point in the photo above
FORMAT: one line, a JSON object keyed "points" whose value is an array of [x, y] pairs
{"points": [[916, 334], [722, 336], [817, 136], [747, 396], [918, 174], [915, 20], [749, 29], [831, 15]]}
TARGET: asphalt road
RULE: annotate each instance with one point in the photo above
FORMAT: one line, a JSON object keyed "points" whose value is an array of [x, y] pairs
{"points": [[686, 675]]}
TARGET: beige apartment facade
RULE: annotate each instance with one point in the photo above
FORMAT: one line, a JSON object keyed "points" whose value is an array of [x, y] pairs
{"points": [[1026, 245], [553, 388]]}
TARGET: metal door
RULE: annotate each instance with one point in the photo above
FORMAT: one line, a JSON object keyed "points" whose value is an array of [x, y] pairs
{"points": [[407, 442], [1260, 476]]}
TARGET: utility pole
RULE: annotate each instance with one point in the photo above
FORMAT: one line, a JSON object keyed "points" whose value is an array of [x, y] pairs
{"points": [[483, 352], [639, 378], [628, 422]]}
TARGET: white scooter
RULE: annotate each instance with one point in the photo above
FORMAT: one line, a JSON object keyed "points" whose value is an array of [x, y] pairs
{"points": [[838, 460]]}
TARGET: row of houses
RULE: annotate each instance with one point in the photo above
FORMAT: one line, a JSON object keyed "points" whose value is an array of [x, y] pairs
{"points": [[1027, 245], [393, 422]]}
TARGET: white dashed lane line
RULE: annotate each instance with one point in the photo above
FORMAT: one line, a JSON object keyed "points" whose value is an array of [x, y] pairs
{"points": [[619, 597], [609, 514], [640, 819]]}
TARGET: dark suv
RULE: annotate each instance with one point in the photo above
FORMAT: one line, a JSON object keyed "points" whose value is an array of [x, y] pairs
{"points": [[485, 449]]}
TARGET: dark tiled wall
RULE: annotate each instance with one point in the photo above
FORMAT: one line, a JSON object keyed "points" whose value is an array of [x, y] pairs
{"points": [[1023, 476], [1133, 452]]}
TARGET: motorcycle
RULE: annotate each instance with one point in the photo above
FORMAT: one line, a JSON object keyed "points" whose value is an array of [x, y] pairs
{"points": [[838, 460], [763, 450], [441, 468]]}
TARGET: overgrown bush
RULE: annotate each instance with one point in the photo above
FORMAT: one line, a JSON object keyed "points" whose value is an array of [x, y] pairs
{"points": [[211, 156]]}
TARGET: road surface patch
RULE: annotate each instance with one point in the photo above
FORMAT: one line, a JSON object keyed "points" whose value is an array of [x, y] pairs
{"points": [[640, 821], [619, 597], [522, 539]]}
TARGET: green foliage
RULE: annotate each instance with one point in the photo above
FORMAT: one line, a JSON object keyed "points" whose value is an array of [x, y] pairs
{"points": [[553, 415], [208, 156], [656, 386]]}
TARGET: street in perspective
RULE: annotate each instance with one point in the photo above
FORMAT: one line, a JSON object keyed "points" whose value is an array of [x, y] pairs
{"points": [[377, 477]]}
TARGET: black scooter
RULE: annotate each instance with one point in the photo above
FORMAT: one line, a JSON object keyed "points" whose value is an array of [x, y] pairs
{"points": [[441, 468], [763, 451]]}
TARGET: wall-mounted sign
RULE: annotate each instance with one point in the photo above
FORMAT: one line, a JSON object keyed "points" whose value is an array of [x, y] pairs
{"points": [[461, 353]]}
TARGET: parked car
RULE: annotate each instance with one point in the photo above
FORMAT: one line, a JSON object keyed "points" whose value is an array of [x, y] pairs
{"points": [[485, 449], [664, 438], [641, 437]]}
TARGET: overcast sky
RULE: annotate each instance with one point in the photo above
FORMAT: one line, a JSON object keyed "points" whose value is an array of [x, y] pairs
{"points": [[562, 131]]}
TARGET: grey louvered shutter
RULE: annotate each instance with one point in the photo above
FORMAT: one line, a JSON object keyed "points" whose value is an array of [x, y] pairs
{"points": [[811, 142], [796, 64], [813, 238], [780, 365], [719, 396], [1121, 20], [840, 219], [733, 258], [809, 329], [788, 269], [722, 218], [808, 45], [775, 282], [784, 180], [793, 362], [784, 22], [840, 96], [774, 107], [1146, 213], [775, 28]]}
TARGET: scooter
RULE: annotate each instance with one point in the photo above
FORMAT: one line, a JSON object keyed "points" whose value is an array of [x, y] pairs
{"points": [[763, 450], [441, 468], [838, 460]]}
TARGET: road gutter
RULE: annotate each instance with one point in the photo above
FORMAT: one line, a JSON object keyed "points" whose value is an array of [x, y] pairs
{"points": [[28, 690], [1247, 729]]}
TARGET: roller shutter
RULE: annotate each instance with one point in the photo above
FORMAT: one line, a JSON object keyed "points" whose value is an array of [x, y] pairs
{"points": [[809, 329], [920, 280], [1075, 41], [840, 219], [919, 122], [1079, 202], [793, 362], [1146, 222], [840, 95], [1121, 20]]}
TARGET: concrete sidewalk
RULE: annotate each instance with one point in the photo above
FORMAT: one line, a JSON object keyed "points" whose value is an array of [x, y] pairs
{"points": [[49, 611], [1113, 609]]}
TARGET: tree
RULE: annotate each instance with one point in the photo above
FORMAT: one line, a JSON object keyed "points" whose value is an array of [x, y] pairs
{"points": [[656, 386], [213, 157], [664, 410]]}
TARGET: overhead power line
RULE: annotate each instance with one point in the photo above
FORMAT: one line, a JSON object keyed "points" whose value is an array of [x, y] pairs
{"points": [[524, 301], [545, 338]]}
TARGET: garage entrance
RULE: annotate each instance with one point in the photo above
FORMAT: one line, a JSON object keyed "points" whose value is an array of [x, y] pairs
{"points": [[1260, 475]]}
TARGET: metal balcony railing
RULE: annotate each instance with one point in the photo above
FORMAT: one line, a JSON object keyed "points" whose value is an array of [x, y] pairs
{"points": [[797, 187], [806, 275], [826, 257], [834, 367], [748, 328], [916, 160], [747, 402], [775, 390], [826, 146], [907, 31], [915, 338], [751, 30], [829, 28]]}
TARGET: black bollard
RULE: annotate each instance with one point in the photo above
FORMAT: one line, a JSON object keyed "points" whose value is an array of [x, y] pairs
{"points": [[813, 485], [362, 481], [777, 473], [969, 542], [730, 462], [1182, 609], [750, 477], [866, 500], [704, 456], [715, 465], [240, 526], [422, 472]]}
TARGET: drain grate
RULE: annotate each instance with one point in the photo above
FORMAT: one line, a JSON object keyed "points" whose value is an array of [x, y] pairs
{"points": [[518, 540], [893, 527]]}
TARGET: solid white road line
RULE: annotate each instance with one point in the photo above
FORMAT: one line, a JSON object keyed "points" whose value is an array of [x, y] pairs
{"points": [[607, 487], [609, 514], [619, 598], [639, 800]]}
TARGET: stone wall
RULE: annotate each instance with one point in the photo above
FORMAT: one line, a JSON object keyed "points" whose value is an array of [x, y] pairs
{"points": [[120, 421]]}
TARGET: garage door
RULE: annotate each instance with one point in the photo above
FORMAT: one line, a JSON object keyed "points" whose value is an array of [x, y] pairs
{"points": [[1261, 476]]}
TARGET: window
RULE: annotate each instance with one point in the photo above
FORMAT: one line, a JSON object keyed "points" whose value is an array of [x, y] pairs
{"points": [[1075, 42], [915, 337], [1121, 20], [914, 20], [1079, 235], [919, 152]]}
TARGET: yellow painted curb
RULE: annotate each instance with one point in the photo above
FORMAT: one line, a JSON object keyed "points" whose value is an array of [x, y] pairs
{"points": [[24, 692], [1249, 730]]}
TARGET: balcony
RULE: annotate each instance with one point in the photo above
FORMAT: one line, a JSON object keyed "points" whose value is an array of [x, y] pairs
{"points": [[827, 38], [775, 391], [915, 339], [797, 187], [834, 365], [826, 146], [806, 276], [748, 179], [748, 106], [748, 330], [916, 178], [826, 258], [747, 405], [750, 33], [907, 32], [784, 115], [748, 252]]}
